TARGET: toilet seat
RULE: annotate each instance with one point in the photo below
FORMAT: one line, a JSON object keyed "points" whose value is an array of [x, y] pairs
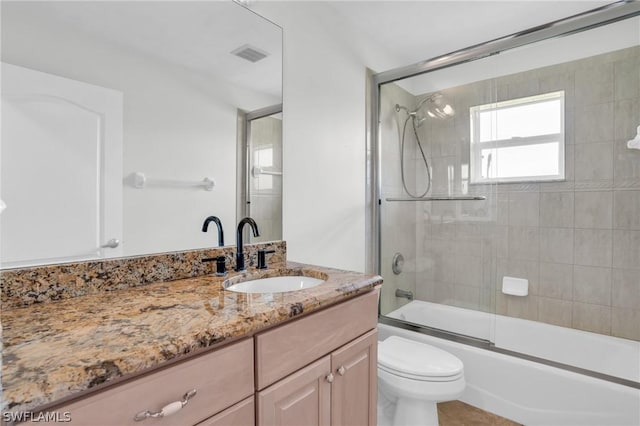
{"points": [[418, 361]]}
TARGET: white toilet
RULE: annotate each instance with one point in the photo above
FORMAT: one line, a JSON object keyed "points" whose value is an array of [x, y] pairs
{"points": [[412, 378]]}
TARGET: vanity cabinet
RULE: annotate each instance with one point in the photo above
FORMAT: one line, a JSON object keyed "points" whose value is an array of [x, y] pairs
{"points": [[320, 369], [338, 389], [221, 378]]}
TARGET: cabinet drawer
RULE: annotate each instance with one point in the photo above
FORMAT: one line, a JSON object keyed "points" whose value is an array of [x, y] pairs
{"points": [[221, 378], [287, 348], [241, 414]]}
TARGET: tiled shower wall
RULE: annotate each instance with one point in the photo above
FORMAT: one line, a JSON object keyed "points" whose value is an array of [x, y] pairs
{"points": [[577, 241]]}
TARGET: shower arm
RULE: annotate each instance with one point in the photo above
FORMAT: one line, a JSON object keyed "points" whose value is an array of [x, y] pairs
{"points": [[400, 107]]}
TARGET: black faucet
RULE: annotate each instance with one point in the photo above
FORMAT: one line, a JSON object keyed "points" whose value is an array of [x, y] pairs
{"points": [[262, 258], [205, 227], [240, 248], [221, 266]]}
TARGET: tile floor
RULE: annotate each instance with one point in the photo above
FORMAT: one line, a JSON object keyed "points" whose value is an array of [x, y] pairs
{"points": [[456, 413]]}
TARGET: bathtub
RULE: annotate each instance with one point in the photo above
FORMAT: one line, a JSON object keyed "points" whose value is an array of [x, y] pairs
{"points": [[530, 392]]}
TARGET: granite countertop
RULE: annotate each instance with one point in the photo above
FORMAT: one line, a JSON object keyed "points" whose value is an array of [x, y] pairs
{"points": [[54, 350]]}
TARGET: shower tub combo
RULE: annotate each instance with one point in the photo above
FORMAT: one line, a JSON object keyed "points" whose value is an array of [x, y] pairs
{"points": [[485, 163], [524, 390]]}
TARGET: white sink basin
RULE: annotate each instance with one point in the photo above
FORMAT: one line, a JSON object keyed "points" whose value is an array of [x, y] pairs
{"points": [[275, 284]]}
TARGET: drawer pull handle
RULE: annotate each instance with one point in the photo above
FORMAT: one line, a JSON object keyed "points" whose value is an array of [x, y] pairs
{"points": [[168, 409], [329, 378], [342, 370]]}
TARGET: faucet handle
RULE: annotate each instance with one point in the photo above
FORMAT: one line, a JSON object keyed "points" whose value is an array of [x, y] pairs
{"points": [[221, 266], [262, 258]]}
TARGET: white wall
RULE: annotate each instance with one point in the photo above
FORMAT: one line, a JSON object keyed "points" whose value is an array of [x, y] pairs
{"points": [[323, 139], [175, 128]]}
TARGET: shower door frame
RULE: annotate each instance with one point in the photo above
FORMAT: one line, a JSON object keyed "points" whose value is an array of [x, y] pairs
{"points": [[594, 18]]}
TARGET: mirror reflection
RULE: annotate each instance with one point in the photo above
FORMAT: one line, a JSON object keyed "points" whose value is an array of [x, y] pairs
{"points": [[120, 124], [264, 201]]}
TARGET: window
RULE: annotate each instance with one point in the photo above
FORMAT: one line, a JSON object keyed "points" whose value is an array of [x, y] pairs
{"points": [[519, 140], [263, 159]]}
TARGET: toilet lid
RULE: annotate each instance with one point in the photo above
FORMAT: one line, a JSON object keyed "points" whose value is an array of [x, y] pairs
{"points": [[409, 358]]}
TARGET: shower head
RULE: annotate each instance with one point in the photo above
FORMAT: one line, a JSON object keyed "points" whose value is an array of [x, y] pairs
{"points": [[437, 106]]}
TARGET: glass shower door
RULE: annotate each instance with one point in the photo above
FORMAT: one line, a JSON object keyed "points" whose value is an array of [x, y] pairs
{"points": [[264, 175], [545, 266], [439, 234]]}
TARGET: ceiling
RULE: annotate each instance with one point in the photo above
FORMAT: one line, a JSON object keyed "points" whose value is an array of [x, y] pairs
{"points": [[616, 36], [197, 35], [412, 31], [200, 35]]}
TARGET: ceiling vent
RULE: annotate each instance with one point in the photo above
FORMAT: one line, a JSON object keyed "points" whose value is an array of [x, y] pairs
{"points": [[250, 53]]}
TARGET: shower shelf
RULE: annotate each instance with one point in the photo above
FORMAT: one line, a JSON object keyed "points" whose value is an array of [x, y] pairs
{"points": [[444, 198]]}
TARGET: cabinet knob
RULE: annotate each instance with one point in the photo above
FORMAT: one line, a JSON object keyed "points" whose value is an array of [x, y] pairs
{"points": [[329, 378], [342, 370], [168, 409]]}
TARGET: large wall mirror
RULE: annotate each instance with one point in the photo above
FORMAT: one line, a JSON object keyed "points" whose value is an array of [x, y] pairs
{"points": [[120, 123]]}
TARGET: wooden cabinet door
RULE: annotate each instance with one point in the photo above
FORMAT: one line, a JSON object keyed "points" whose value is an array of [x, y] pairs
{"points": [[354, 393], [285, 349], [303, 398]]}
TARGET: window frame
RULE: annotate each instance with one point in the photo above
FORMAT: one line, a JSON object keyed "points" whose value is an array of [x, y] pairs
{"points": [[476, 147]]}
